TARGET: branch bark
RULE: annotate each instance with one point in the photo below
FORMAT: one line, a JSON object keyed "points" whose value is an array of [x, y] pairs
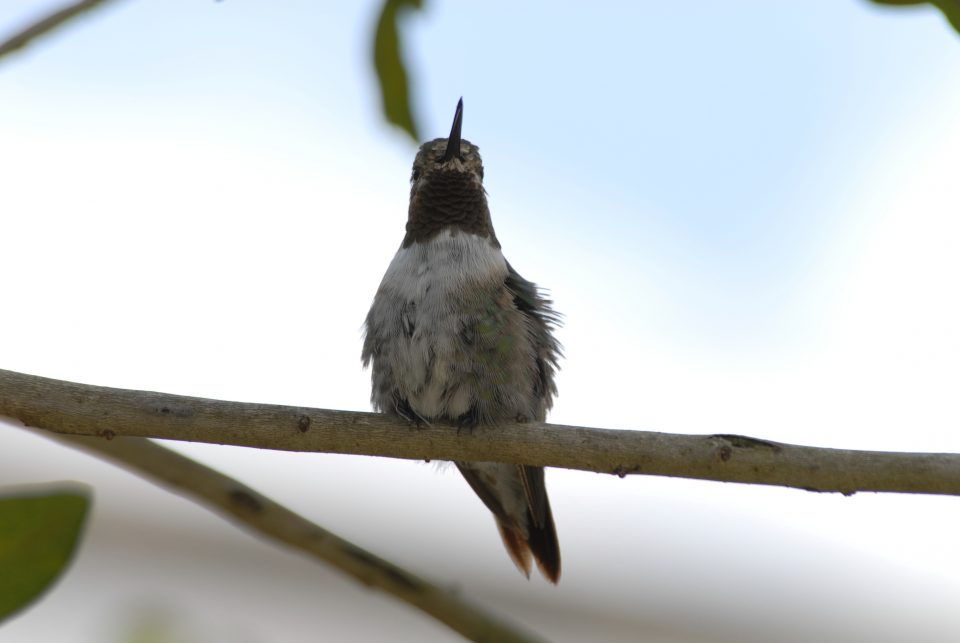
{"points": [[47, 24], [256, 512], [79, 409]]}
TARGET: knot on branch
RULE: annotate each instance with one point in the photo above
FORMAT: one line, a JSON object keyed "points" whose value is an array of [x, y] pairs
{"points": [[303, 424]]}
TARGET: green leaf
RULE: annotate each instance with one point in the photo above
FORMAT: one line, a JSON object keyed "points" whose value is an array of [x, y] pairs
{"points": [[950, 8], [391, 72], [39, 531]]}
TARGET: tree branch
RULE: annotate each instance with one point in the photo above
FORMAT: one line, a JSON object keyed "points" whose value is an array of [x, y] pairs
{"points": [[256, 512], [79, 409], [48, 23]]}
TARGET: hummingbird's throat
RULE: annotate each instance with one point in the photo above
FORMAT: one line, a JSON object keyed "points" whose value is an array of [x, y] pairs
{"points": [[448, 200]]}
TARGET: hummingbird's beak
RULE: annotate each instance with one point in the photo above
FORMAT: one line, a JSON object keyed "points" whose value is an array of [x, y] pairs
{"points": [[453, 141]]}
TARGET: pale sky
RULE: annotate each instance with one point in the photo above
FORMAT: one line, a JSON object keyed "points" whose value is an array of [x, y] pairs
{"points": [[747, 212]]}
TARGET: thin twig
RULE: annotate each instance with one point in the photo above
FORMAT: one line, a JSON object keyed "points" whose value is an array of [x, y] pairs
{"points": [[244, 506], [79, 409], [46, 24]]}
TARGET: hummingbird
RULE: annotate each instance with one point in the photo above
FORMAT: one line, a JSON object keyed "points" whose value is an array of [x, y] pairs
{"points": [[456, 336]]}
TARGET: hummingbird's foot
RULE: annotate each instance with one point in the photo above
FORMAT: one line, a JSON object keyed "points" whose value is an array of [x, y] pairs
{"points": [[469, 420], [405, 411]]}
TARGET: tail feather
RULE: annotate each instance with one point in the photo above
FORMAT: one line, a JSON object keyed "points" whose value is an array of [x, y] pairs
{"points": [[546, 549], [541, 545], [517, 547]]}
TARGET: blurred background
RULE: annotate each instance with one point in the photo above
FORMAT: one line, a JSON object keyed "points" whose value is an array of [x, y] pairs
{"points": [[746, 210]]}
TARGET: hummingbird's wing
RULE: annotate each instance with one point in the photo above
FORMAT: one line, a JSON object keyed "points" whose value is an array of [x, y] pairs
{"points": [[542, 319], [535, 492], [517, 494], [542, 536]]}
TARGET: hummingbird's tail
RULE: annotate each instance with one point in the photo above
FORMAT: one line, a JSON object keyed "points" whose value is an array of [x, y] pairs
{"points": [[517, 496], [541, 543]]}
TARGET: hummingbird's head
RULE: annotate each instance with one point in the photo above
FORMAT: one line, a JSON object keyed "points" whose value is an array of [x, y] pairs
{"points": [[452, 156], [446, 188]]}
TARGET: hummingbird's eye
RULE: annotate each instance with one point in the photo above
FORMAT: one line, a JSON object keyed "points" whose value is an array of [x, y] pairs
{"points": [[415, 176]]}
